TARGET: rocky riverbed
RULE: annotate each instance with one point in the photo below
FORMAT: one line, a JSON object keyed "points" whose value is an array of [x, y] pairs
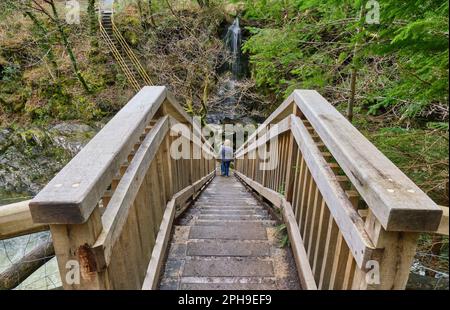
{"points": [[30, 157]]}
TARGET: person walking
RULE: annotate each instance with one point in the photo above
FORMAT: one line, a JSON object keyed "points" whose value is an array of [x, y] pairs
{"points": [[226, 156]]}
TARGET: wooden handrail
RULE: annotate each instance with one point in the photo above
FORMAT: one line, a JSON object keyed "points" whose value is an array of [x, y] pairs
{"points": [[344, 203], [398, 203], [351, 225], [15, 221], [115, 215], [443, 226], [71, 196], [111, 200]]}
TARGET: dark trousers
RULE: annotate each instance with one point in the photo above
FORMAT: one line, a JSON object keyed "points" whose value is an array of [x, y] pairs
{"points": [[225, 167]]}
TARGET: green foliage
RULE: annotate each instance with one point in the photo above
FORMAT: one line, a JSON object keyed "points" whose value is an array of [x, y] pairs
{"points": [[10, 72], [33, 136], [283, 235], [403, 61], [62, 105], [421, 154], [272, 10]]}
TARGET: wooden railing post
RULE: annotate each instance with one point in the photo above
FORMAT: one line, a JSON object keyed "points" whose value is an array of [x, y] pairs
{"points": [[391, 265], [78, 267]]}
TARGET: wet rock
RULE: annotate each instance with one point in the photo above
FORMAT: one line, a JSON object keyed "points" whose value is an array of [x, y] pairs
{"points": [[420, 282], [71, 137], [5, 140], [30, 157]]}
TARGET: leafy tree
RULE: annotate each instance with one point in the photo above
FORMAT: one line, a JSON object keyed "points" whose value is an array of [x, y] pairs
{"points": [[47, 9], [399, 65]]}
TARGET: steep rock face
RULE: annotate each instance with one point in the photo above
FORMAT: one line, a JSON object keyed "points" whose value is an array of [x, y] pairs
{"points": [[30, 157]]}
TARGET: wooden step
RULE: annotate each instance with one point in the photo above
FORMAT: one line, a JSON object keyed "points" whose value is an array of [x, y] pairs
{"points": [[228, 268], [227, 248], [228, 232]]}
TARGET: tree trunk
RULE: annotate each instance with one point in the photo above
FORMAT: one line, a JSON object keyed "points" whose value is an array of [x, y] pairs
{"points": [[65, 41], [44, 43], [150, 12], [93, 21], [28, 264], [203, 3], [142, 14], [351, 101]]}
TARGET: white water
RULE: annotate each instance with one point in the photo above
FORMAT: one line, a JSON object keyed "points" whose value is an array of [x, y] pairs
{"points": [[234, 42], [11, 250], [227, 90]]}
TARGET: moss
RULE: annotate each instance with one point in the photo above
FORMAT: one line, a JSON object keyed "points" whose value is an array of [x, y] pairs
{"points": [[34, 136], [131, 37], [421, 154]]}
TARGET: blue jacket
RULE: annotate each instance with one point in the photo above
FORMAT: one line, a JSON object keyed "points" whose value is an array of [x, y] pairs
{"points": [[226, 153]]}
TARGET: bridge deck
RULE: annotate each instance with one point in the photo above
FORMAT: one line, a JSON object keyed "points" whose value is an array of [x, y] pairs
{"points": [[228, 240]]}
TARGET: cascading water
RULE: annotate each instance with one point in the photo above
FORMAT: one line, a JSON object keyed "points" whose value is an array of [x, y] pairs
{"points": [[224, 107], [234, 41]]}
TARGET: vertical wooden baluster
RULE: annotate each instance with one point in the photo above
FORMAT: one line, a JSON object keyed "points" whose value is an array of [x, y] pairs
{"points": [[306, 192], [135, 256], [167, 162], [290, 170], [349, 272], [340, 274], [339, 264], [155, 196], [160, 178], [264, 175], [315, 223], [280, 177], [320, 243], [300, 192], [328, 257], [294, 191], [145, 221], [310, 206], [285, 162]]}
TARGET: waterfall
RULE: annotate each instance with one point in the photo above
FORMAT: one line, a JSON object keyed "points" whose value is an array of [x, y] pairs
{"points": [[234, 41], [226, 97]]}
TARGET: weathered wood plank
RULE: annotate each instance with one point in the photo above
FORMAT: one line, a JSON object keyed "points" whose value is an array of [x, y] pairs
{"points": [[443, 226], [15, 220], [275, 198], [160, 248], [280, 113], [350, 223], [183, 196], [298, 248], [73, 193], [116, 214], [397, 202]]}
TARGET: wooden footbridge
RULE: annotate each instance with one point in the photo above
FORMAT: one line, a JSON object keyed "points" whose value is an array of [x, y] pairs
{"points": [[352, 217]]}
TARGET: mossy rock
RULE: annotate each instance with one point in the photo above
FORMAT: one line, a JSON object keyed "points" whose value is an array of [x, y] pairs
{"points": [[131, 37], [34, 136]]}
